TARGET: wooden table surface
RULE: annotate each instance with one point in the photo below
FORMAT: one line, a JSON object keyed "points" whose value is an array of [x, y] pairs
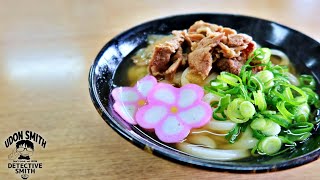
{"points": [[46, 49]]}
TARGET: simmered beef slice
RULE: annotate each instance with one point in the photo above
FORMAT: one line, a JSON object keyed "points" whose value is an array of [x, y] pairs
{"points": [[210, 41], [171, 71], [227, 54], [195, 37], [203, 27], [200, 60], [233, 65], [177, 61], [236, 45], [251, 47], [235, 40], [160, 60], [230, 65], [205, 45]]}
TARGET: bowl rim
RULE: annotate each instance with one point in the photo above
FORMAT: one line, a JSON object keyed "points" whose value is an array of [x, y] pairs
{"points": [[183, 158]]}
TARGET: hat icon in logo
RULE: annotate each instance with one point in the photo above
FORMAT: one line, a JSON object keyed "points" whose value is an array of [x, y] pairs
{"points": [[24, 176]]}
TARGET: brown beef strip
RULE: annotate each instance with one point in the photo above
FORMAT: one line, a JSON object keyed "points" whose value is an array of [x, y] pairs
{"points": [[178, 54], [160, 60], [208, 43], [195, 37], [200, 60], [171, 71], [230, 65], [233, 65], [227, 52], [200, 27], [235, 40], [228, 31], [177, 59], [184, 59], [187, 39], [251, 47]]}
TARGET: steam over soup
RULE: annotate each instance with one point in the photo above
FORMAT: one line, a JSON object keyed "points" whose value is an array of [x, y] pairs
{"points": [[210, 92]]}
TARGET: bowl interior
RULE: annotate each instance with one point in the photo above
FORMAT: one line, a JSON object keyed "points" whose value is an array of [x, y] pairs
{"points": [[106, 74]]}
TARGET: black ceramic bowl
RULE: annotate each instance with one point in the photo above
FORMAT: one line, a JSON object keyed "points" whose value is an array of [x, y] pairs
{"points": [[105, 74]]}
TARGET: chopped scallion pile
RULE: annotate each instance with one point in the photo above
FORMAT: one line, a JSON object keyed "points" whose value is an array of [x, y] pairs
{"points": [[277, 111]]}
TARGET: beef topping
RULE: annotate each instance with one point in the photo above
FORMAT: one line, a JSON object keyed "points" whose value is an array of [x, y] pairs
{"points": [[203, 47], [160, 60], [200, 60]]}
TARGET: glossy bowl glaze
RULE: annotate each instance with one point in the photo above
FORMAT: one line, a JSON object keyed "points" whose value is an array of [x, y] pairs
{"points": [[303, 51]]}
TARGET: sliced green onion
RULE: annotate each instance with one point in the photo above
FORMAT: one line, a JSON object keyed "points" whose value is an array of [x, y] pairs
{"points": [[270, 145], [234, 90], [281, 106], [303, 99], [213, 91], [298, 137], [279, 119], [278, 70], [287, 93], [269, 112], [307, 81], [257, 134], [262, 55], [229, 78], [259, 100], [268, 84], [258, 124], [219, 85], [271, 128], [222, 105], [285, 140], [244, 92], [233, 134], [246, 75], [302, 113], [247, 109], [313, 98], [219, 117], [300, 128], [257, 82], [233, 111], [268, 102], [265, 76]]}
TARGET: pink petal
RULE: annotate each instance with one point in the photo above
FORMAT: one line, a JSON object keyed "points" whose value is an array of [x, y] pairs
{"points": [[197, 115], [125, 95], [189, 94], [145, 85], [163, 93], [171, 130], [149, 116], [127, 112]]}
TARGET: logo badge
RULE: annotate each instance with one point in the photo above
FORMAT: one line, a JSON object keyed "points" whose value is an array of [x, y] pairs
{"points": [[23, 145]]}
